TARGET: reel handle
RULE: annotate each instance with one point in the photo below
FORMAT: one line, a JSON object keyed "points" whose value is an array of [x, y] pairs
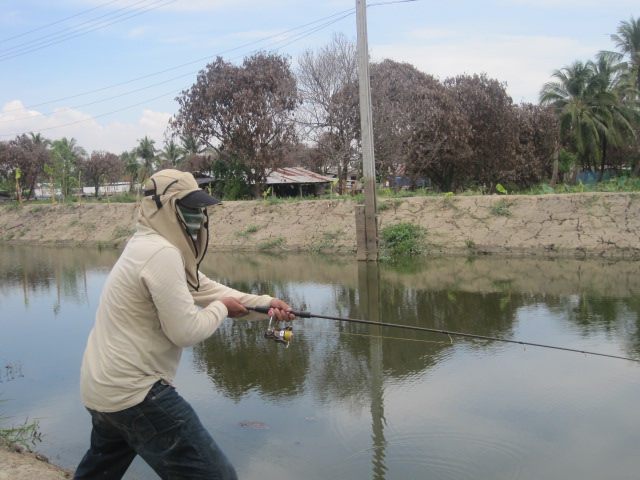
{"points": [[265, 310]]}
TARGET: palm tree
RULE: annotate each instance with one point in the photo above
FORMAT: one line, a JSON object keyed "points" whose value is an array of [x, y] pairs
{"points": [[131, 167], [172, 154], [588, 100], [191, 145], [65, 154], [147, 152], [38, 139], [616, 96], [628, 42]]}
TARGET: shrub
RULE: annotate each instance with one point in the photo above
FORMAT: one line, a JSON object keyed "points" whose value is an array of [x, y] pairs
{"points": [[402, 239]]}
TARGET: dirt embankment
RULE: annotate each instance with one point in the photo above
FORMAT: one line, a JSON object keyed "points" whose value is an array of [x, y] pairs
{"points": [[18, 464], [590, 224]]}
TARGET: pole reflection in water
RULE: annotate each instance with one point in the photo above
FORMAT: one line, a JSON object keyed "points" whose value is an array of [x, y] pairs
{"points": [[356, 401], [369, 285]]}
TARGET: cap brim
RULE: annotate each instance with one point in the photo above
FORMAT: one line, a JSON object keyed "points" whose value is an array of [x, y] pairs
{"points": [[198, 199]]}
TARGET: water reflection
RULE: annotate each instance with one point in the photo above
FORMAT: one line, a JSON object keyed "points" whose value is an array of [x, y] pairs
{"points": [[456, 408]]}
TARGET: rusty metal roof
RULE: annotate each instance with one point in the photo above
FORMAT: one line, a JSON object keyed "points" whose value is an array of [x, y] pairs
{"points": [[296, 175]]}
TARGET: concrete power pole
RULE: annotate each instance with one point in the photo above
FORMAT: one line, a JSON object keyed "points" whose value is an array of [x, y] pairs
{"points": [[366, 216]]}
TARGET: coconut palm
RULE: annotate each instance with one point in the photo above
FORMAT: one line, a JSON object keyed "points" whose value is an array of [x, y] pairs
{"points": [[172, 155], [191, 145], [588, 100], [628, 42], [65, 154], [146, 151]]}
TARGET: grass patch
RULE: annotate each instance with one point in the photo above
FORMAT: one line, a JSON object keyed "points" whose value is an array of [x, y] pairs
{"points": [[272, 244], [26, 434], [501, 209], [121, 232], [391, 203], [250, 230], [401, 239], [328, 238]]}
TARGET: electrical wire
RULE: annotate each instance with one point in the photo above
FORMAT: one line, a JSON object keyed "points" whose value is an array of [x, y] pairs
{"points": [[296, 37], [93, 28], [57, 21], [341, 15], [200, 60]]}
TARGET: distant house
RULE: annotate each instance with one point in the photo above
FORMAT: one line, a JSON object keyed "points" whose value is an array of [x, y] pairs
{"points": [[297, 182], [284, 182], [399, 179]]}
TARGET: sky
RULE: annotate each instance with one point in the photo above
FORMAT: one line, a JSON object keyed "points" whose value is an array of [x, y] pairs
{"points": [[107, 72]]}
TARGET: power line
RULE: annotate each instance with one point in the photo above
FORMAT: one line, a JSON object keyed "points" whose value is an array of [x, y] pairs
{"points": [[289, 40], [343, 14], [72, 27], [56, 22], [94, 28]]}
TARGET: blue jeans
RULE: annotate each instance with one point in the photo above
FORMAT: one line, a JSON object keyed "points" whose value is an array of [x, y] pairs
{"points": [[164, 430]]}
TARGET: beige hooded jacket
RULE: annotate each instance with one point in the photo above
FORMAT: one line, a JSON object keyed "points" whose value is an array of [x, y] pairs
{"points": [[148, 309]]}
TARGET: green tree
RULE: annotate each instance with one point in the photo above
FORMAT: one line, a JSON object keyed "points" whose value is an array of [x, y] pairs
{"points": [[38, 139], [628, 42], [588, 99], [65, 155], [131, 167], [171, 155], [191, 145], [146, 151]]}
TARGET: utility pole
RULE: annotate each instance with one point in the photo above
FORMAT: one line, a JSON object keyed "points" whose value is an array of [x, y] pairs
{"points": [[366, 216]]}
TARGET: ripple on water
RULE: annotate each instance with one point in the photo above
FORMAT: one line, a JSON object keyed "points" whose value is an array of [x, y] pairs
{"points": [[442, 455]]}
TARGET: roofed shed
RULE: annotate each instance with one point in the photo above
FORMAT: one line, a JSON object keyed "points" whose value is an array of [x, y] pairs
{"points": [[296, 181]]}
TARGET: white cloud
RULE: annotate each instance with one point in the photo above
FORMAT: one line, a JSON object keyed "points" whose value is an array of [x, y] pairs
{"points": [[90, 134]]}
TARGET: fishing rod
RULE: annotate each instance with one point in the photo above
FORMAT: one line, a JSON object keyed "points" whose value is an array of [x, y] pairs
{"points": [[284, 335]]}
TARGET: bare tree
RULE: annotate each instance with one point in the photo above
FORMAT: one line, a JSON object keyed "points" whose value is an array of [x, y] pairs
{"points": [[329, 113]]}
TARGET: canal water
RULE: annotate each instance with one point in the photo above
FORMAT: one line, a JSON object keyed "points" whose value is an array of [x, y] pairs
{"points": [[353, 401]]}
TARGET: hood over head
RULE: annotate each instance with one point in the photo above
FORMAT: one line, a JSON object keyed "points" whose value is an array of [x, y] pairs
{"points": [[164, 192]]}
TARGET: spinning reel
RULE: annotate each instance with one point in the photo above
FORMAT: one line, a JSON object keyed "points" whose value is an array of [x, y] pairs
{"points": [[276, 333]]}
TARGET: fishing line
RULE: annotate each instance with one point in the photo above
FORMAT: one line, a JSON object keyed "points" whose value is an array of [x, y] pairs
{"points": [[266, 310], [383, 337]]}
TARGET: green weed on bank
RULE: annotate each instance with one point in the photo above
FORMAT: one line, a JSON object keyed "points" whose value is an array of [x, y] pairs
{"points": [[401, 240]]}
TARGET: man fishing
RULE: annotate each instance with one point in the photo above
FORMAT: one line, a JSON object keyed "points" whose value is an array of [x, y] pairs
{"points": [[154, 303]]}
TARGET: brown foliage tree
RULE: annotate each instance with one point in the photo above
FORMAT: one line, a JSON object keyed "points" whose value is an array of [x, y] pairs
{"points": [[102, 167], [245, 113], [417, 123], [537, 142], [494, 134], [29, 156]]}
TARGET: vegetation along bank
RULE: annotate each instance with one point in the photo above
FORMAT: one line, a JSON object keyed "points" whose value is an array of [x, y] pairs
{"points": [[576, 225]]}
